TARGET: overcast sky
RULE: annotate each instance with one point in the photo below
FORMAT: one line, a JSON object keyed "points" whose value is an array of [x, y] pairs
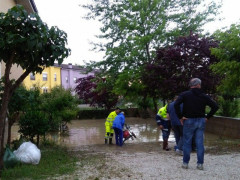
{"points": [[67, 15]]}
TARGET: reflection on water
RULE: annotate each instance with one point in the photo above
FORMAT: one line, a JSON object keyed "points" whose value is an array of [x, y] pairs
{"points": [[87, 132]]}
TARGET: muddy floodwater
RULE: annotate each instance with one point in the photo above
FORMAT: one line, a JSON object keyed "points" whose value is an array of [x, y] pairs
{"points": [[90, 132], [143, 157]]}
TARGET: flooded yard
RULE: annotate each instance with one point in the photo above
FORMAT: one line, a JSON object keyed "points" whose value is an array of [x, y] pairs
{"points": [[92, 132], [143, 157]]}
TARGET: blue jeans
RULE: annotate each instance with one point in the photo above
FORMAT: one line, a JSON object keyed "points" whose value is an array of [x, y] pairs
{"points": [[178, 134], [118, 136], [191, 127], [166, 133]]}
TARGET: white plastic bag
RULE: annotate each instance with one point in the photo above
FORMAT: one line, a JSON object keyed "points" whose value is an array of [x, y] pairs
{"points": [[28, 153]]}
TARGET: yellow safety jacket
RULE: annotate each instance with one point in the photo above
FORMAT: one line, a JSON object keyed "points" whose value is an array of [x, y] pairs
{"points": [[110, 118], [163, 112]]}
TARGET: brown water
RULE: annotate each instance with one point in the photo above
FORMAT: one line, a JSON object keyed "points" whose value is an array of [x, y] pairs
{"points": [[89, 132]]}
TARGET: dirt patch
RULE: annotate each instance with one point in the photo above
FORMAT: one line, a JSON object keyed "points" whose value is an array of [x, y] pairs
{"points": [[147, 161]]}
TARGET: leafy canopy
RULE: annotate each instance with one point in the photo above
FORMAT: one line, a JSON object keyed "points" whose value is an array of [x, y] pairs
{"points": [[29, 41], [133, 29], [96, 92], [228, 52], [175, 65]]}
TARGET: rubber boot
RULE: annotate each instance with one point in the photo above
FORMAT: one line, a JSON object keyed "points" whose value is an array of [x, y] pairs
{"points": [[106, 138], [165, 145], [110, 139]]}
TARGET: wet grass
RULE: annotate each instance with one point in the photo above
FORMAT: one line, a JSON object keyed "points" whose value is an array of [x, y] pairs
{"points": [[55, 161], [221, 145]]}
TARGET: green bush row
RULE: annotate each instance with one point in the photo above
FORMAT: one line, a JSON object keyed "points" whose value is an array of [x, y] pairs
{"points": [[102, 114]]}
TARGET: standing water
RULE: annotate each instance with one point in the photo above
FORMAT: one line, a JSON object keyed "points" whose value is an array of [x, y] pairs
{"points": [[89, 132]]}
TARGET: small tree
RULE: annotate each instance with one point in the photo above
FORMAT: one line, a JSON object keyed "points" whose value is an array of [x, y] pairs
{"points": [[27, 42], [16, 107], [96, 92], [60, 107], [34, 121]]}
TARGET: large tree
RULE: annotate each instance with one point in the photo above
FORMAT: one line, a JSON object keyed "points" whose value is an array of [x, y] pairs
{"points": [[228, 52], [29, 43], [175, 65], [133, 29]]}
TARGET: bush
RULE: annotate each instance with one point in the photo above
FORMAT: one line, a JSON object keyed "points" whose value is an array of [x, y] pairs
{"points": [[228, 107], [102, 114], [93, 114]]}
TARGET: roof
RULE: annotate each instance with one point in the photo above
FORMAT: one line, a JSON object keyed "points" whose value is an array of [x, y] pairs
{"points": [[29, 5], [69, 66], [74, 67]]}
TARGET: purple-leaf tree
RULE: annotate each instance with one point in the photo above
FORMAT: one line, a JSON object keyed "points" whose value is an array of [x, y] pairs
{"points": [[169, 73], [96, 92]]}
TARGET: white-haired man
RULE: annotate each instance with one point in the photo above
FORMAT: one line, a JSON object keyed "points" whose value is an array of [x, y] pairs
{"points": [[194, 119]]}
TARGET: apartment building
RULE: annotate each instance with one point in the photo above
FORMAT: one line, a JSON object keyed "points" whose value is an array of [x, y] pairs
{"points": [[70, 73], [49, 78]]}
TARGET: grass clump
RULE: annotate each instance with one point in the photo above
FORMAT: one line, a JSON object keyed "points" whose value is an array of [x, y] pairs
{"points": [[55, 161]]}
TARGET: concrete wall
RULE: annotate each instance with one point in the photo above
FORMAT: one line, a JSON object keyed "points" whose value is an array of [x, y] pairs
{"points": [[224, 126]]}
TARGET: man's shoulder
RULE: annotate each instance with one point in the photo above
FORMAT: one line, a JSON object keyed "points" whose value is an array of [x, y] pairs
{"points": [[186, 93]]}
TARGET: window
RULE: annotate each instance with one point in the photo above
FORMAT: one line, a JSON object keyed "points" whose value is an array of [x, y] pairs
{"points": [[55, 77], [32, 76], [66, 79], [44, 89], [75, 80], [44, 76]]}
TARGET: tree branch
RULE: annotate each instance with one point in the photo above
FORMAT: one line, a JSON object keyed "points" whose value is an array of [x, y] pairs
{"points": [[20, 80]]}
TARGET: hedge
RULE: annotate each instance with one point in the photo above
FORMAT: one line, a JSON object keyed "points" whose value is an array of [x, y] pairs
{"points": [[102, 114]]}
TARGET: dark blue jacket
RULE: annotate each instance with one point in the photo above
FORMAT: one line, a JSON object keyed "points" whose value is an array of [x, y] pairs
{"points": [[194, 103], [119, 121], [173, 116], [164, 122]]}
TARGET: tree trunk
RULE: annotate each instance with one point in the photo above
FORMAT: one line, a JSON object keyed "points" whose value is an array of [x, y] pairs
{"points": [[11, 120], [38, 140], [155, 105], [3, 115], [5, 100], [9, 133]]}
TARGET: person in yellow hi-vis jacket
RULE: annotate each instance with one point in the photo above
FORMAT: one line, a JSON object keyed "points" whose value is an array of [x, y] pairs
{"points": [[108, 125]]}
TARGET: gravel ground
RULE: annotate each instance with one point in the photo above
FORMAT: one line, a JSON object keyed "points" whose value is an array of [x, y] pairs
{"points": [[147, 161]]}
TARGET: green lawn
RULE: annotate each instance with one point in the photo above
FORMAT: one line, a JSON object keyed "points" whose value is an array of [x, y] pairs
{"points": [[55, 161]]}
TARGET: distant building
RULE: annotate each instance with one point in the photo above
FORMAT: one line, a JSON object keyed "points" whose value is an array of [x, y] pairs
{"points": [[50, 77], [70, 73]]}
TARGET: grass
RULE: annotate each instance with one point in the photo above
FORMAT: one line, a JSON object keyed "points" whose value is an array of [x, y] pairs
{"points": [[221, 145], [55, 161]]}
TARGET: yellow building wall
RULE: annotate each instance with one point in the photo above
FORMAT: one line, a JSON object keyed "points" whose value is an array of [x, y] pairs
{"points": [[49, 84]]}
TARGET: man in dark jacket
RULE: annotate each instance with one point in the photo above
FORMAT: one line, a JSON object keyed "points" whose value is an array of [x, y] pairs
{"points": [[176, 126], [194, 119]]}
